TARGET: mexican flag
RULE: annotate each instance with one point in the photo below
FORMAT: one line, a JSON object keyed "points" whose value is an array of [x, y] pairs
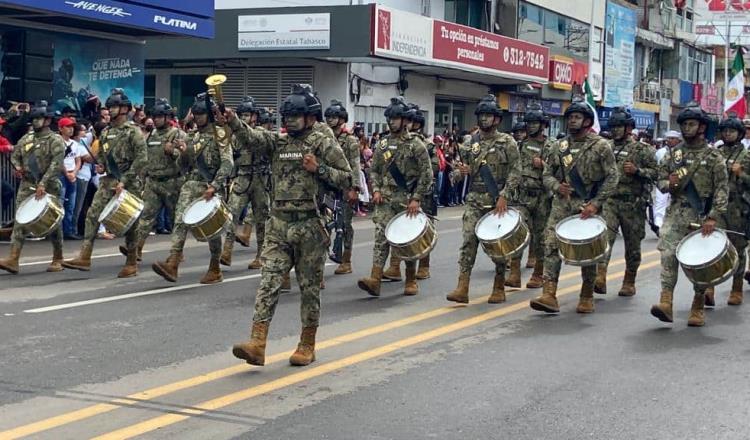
{"points": [[590, 101], [734, 100]]}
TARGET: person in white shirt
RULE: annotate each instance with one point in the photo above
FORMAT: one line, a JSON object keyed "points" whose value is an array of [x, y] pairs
{"points": [[71, 165], [661, 200], [85, 138]]}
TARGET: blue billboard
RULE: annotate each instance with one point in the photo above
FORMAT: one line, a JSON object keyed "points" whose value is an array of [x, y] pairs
{"points": [[619, 56]]}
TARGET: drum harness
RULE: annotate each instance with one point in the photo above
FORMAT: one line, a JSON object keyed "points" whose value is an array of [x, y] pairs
{"points": [[486, 174], [574, 178], [702, 207]]}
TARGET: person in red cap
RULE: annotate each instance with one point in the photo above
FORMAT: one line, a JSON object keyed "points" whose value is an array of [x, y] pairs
{"points": [[71, 165]]}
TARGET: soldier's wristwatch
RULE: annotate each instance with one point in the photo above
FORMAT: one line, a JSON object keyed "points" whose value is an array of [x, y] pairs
{"points": [[322, 170]]}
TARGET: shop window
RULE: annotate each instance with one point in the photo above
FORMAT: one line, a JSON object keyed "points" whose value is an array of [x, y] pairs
{"points": [[530, 24], [467, 12], [542, 26], [183, 89]]}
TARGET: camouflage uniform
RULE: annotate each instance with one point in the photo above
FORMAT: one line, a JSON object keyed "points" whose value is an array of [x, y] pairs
{"points": [[350, 145]]}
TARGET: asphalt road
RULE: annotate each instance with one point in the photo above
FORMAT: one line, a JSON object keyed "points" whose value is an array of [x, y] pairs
{"points": [[86, 355]]}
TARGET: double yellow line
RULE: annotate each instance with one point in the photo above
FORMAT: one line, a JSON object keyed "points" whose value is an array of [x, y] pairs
{"points": [[309, 373]]}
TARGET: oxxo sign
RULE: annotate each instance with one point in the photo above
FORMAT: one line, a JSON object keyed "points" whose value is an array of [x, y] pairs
{"points": [[561, 73]]}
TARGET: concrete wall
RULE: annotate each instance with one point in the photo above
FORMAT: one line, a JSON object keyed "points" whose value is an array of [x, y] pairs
{"points": [[437, 7]]}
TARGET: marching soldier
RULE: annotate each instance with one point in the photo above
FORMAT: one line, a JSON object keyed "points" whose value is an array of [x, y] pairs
{"points": [[401, 177], [626, 208], [122, 156], [533, 198], [738, 209], [336, 118], [162, 173], [207, 159], [696, 177], [37, 159], [582, 173], [519, 131], [301, 160], [493, 162]]}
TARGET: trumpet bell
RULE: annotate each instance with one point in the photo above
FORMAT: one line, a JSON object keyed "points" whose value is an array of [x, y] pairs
{"points": [[216, 80]]}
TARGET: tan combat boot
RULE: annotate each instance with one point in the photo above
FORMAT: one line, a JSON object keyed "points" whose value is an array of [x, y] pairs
{"points": [[10, 264], [546, 303], [256, 263], [586, 299], [530, 260], [371, 284], [130, 269], [498, 287], [213, 275], [346, 263], [410, 287], [83, 261], [254, 350], [124, 250], [168, 269], [393, 273], [57, 258], [424, 268], [735, 297], [242, 236], [514, 279], [461, 293], [226, 253], [628, 284], [600, 284], [663, 310], [710, 301], [305, 353], [286, 282], [697, 316], [536, 281]]}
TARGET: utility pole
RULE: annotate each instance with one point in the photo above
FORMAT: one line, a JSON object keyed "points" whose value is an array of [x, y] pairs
{"points": [[727, 48]]}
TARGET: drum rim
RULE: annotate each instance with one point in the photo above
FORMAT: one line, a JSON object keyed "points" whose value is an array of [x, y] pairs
{"points": [[708, 263], [580, 241], [512, 231], [116, 201], [582, 263], [216, 207], [409, 243], [424, 253], [48, 197]]}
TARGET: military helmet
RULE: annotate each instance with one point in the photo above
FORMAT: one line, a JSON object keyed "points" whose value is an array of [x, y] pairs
{"points": [[162, 108], [692, 111], [265, 116], [300, 102], [534, 113], [415, 114], [579, 107], [620, 117], [118, 98], [247, 105], [518, 126], [42, 110], [337, 110], [397, 108], [488, 104], [733, 122], [199, 107]]}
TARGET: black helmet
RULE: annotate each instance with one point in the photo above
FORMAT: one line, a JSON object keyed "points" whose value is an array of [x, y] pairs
{"points": [[579, 107], [42, 110], [534, 113], [265, 116], [414, 114], [397, 108], [692, 111], [619, 117], [488, 104], [316, 107], [199, 106], [247, 105], [519, 126], [162, 108], [733, 122], [337, 110], [118, 98], [300, 102]]}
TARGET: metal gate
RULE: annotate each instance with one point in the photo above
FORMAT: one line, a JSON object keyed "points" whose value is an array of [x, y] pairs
{"points": [[6, 176]]}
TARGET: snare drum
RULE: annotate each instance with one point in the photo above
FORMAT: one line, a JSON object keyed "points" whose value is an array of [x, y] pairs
{"points": [[582, 242], [503, 237], [39, 217], [121, 213], [206, 219], [707, 261], [411, 238]]}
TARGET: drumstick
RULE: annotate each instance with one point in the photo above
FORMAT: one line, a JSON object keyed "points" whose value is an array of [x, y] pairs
{"points": [[696, 226], [420, 210]]}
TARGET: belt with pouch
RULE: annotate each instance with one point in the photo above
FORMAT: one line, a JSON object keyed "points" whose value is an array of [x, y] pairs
{"points": [[294, 216]]}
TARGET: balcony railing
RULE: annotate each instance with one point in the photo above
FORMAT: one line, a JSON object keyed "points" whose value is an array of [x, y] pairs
{"points": [[651, 92]]}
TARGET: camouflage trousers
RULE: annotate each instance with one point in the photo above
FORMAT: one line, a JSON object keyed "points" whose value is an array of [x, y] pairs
{"points": [[348, 214], [382, 215], [468, 252], [260, 200], [736, 220], [249, 191], [630, 217], [103, 195], [535, 211], [676, 226], [189, 192], [561, 208], [302, 244], [18, 236], [157, 194]]}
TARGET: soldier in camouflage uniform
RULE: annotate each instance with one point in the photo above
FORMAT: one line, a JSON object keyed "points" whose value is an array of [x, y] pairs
{"points": [[302, 160], [37, 159], [738, 207], [122, 156], [401, 153], [592, 157], [690, 167], [519, 132], [499, 153], [250, 186], [336, 118], [207, 160], [162, 173], [626, 208], [533, 198]]}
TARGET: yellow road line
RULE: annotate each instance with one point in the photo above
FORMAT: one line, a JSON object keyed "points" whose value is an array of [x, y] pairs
{"points": [[248, 393], [153, 393]]}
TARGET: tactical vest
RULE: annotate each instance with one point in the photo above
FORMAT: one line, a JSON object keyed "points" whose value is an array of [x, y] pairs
{"points": [[161, 165], [41, 148], [205, 156], [531, 177], [627, 184], [291, 182], [489, 152], [115, 144], [682, 159]]}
